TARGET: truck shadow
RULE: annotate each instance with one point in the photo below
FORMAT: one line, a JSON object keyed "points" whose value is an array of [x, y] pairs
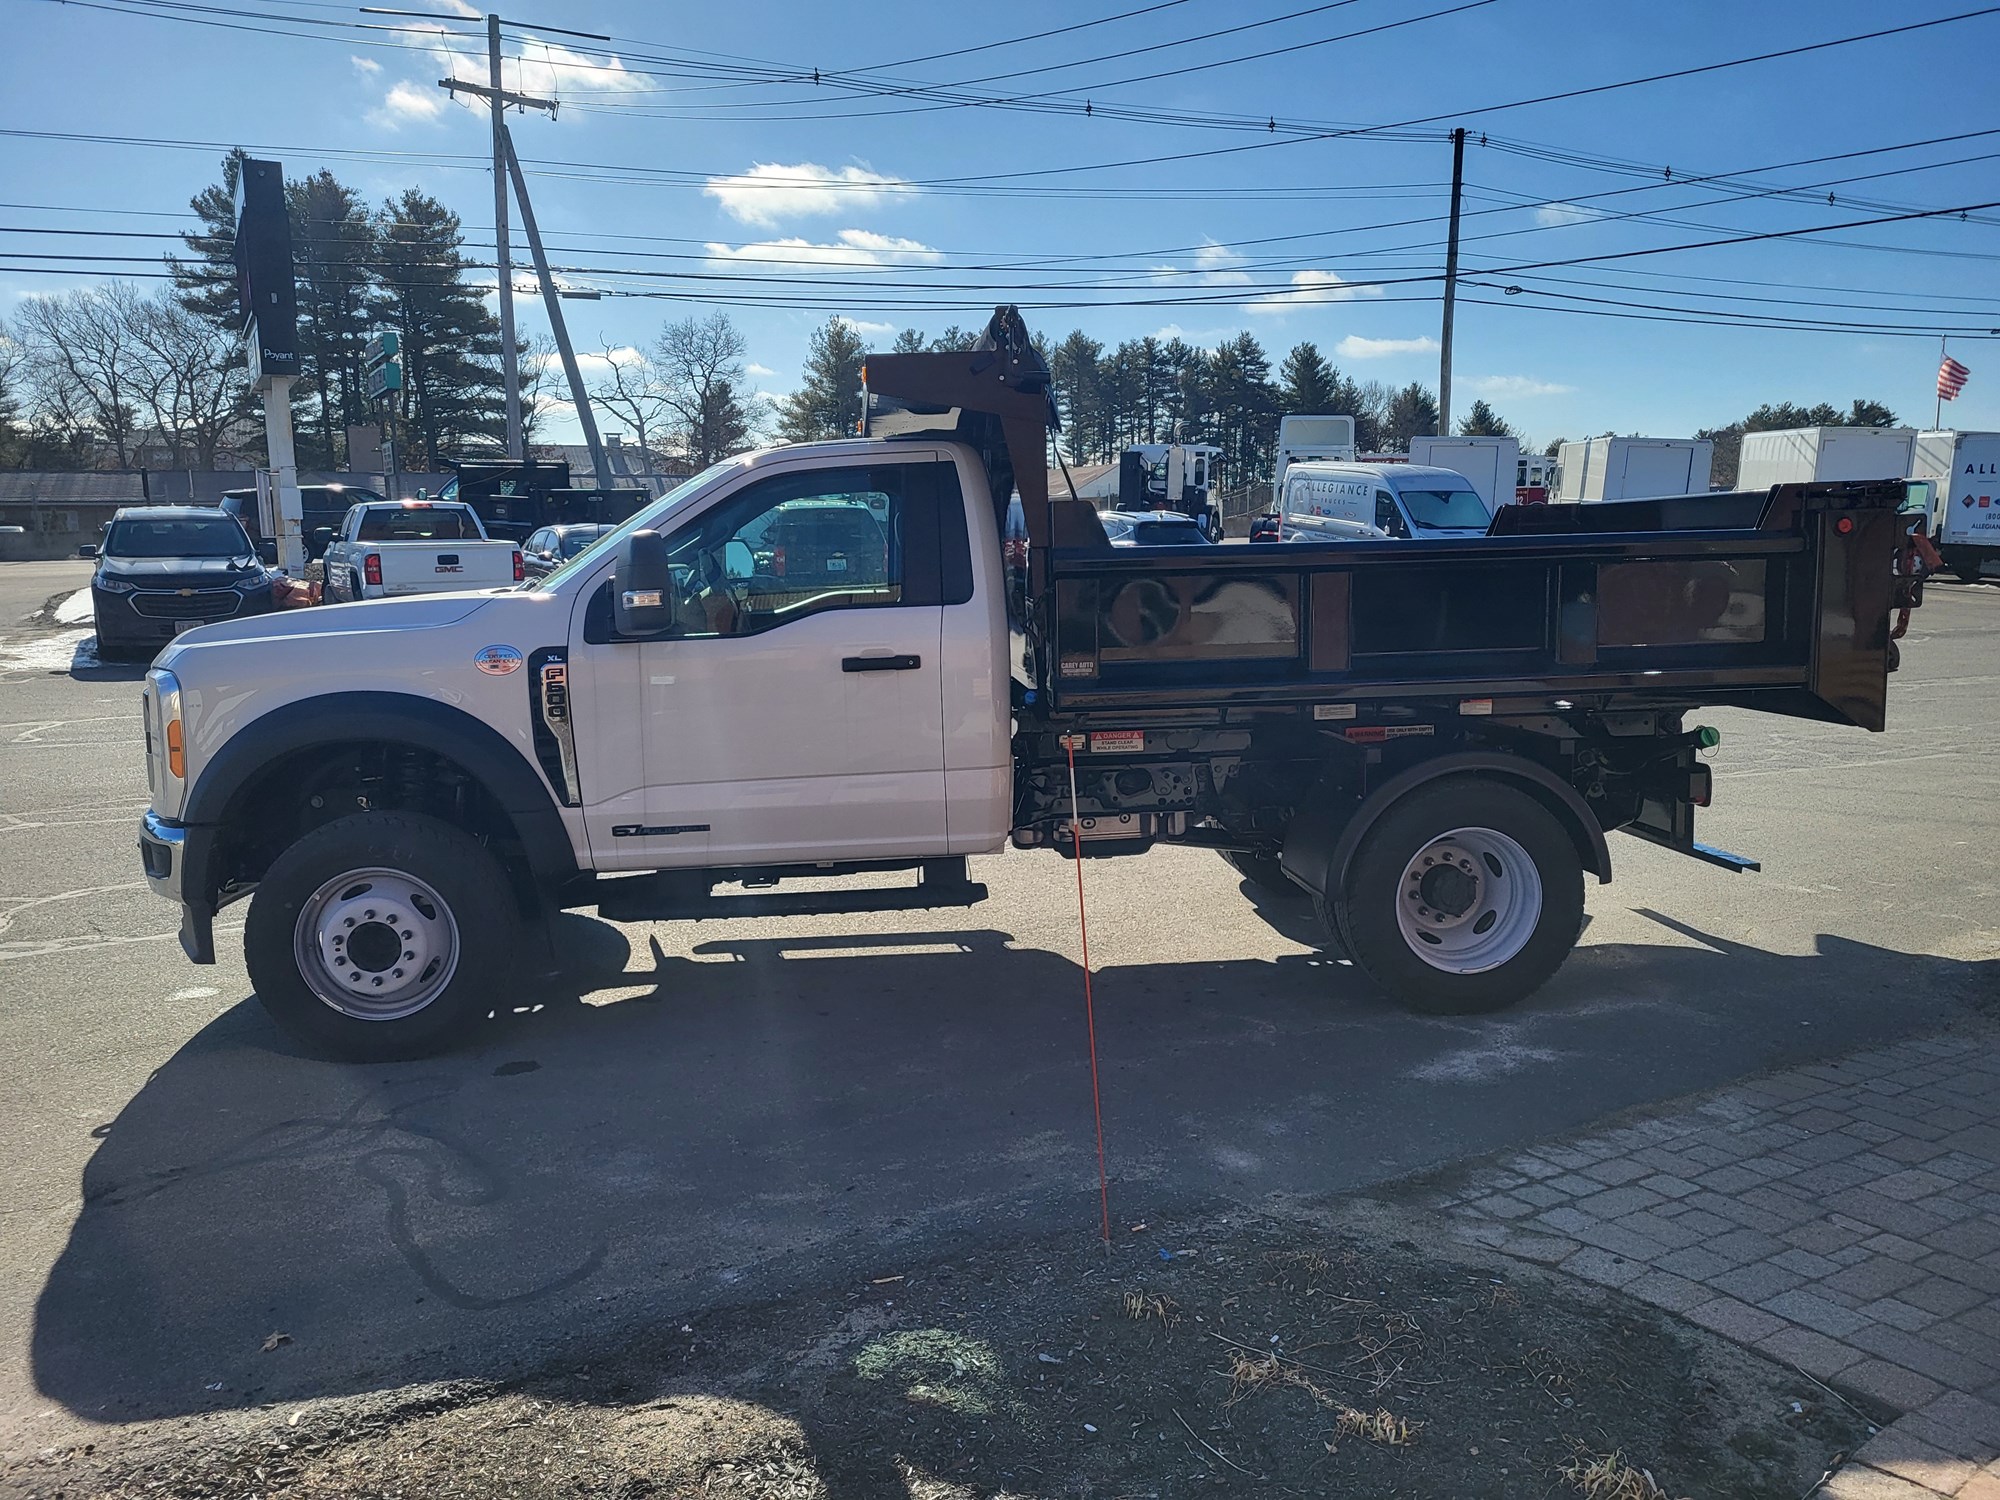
{"points": [[770, 1116]]}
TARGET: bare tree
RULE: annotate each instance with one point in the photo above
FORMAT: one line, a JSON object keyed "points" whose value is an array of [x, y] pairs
{"points": [[700, 364], [634, 391], [190, 378], [81, 365]]}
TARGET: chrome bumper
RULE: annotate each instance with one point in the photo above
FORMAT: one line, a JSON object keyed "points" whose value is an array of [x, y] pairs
{"points": [[162, 850]]}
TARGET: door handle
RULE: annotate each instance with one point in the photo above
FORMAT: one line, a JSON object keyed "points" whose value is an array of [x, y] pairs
{"points": [[880, 663]]}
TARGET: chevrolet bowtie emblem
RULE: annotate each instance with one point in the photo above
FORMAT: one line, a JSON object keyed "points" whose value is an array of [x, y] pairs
{"points": [[187, 593]]}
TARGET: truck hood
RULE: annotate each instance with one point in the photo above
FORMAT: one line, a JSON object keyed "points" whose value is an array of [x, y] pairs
{"points": [[368, 616]]}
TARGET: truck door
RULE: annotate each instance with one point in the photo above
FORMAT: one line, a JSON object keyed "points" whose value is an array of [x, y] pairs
{"points": [[795, 712]]}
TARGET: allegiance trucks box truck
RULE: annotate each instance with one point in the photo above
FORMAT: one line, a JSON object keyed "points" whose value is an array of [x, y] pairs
{"points": [[1802, 455], [1966, 466], [1491, 463], [1633, 468]]}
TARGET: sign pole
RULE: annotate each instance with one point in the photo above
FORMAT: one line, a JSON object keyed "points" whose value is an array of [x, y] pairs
{"points": [[285, 474]]}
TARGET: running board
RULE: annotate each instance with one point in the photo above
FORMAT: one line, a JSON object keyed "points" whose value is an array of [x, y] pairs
{"points": [[672, 897], [1734, 863]]}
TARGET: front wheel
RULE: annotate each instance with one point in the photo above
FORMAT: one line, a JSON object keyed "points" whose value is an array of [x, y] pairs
{"points": [[1464, 897], [380, 936]]}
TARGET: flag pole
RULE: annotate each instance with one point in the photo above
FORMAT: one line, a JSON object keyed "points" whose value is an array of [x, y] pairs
{"points": [[1937, 408]]}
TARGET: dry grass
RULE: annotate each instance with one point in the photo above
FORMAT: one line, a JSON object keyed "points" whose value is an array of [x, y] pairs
{"points": [[1249, 1374], [1609, 1476], [1140, 1306]]}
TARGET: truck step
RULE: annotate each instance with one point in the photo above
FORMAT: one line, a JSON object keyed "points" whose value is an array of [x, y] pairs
{"points": [[672, 897]]}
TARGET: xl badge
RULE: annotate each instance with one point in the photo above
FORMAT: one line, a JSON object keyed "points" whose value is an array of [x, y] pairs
{"points": [[497, 661]]}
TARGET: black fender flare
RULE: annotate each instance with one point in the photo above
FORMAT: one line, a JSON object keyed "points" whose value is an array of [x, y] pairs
{"points": [[385, 718], [1323, 837]]}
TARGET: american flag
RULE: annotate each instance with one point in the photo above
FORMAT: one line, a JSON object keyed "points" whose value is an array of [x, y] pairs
{"points": [[1951, 379]]}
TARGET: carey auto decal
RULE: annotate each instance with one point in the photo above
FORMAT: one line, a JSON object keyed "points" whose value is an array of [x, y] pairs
{"points": [[497, 661]]}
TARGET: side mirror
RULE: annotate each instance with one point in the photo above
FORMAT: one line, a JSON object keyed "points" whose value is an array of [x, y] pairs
{"points": [[322, 536], [267, 551], [87, 550], [737, 559], [642, 588]]}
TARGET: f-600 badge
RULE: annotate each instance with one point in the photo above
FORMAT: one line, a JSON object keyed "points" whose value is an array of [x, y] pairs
{"points": [[496, 661]]}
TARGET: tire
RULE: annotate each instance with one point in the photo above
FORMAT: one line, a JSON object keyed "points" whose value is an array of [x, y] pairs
{"points": [[333, 884], [1466, 896], [1263, 871]]}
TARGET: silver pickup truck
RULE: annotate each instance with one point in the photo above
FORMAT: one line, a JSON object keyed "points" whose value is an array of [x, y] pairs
{"points": [[390, 548]]}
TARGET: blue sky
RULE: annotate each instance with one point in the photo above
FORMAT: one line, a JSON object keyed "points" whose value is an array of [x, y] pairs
{"points": [[715, 171]]}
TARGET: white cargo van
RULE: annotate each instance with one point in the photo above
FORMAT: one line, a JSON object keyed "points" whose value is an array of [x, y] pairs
{"points": [[1633, 468], [1493, 464], [1966, 466], [1354, 502], [1804, 455]]}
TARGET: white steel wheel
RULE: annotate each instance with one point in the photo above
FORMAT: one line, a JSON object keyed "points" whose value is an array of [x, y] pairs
{"points": [[376, 944], [1469, 901], [1465, 895]]}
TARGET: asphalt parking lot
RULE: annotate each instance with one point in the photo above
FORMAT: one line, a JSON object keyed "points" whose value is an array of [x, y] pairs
{"points": [[717, 1111]]}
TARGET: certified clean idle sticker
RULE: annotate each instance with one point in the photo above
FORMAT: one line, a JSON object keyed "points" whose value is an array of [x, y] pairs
{"points": [[496, 661]]}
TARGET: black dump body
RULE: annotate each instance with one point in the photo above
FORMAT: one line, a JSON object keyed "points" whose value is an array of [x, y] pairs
{"points": [[1778, 601]]}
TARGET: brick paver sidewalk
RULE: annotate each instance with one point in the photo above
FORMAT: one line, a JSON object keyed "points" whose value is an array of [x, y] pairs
{"points": [[1843, 1217]]}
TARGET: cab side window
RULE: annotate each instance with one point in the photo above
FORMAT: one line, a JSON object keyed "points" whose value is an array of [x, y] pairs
{"points": [[791, 546], [1386, 517]]}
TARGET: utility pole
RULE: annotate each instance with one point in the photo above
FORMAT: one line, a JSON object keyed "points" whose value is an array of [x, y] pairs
{"points": [[552, 300], [1450, 281], [510, 363]]}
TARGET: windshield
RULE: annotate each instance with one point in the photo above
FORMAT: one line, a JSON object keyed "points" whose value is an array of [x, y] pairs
{"points": [[1440, 510], [574, 542], [220, 536], [615, 537]]}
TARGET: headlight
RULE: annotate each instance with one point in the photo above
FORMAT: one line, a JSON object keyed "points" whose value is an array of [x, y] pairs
{"points": [[173, 735], [113, 585]]}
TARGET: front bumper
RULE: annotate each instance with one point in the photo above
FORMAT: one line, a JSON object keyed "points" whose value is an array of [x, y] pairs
{"points": [[152, 617], [173, 856]]}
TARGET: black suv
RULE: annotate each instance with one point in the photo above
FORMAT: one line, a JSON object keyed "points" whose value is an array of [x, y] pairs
{"points": [[163, 569], [320, 504]]}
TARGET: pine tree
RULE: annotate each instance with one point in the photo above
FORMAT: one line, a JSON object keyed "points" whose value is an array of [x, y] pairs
{"points": [[910, 341], [1245, 403], [333, 247], [1413, 412], [827, 403], [1309, 384], [1483, 421], [451, 338], [1074, 372], [205, 279]]}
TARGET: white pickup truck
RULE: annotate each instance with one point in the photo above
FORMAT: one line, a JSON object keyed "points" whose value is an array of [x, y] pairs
{"points": [[816, 661], [385, 549]]}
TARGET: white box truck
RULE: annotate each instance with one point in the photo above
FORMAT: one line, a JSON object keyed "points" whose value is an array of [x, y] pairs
{"points": [[1493, 464], [1634, 468], [1966, 466], [1805, 455], [1301, 439]]}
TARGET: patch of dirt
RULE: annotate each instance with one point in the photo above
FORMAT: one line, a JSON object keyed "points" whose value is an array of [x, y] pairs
{"points": [[1366, 1357]]}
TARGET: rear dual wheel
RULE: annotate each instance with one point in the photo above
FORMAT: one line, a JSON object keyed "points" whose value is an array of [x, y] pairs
{"points": [[1464, 897]]}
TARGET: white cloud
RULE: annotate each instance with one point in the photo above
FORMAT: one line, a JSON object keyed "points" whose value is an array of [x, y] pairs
{"points": [[1356, 347], [367, 67], [408, 103], [861, 325], [548, 69], [850, 247], [1310, 288], [1214, 265], [1517, 387], [770, 191], [1565, 213], [758, 370]]}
